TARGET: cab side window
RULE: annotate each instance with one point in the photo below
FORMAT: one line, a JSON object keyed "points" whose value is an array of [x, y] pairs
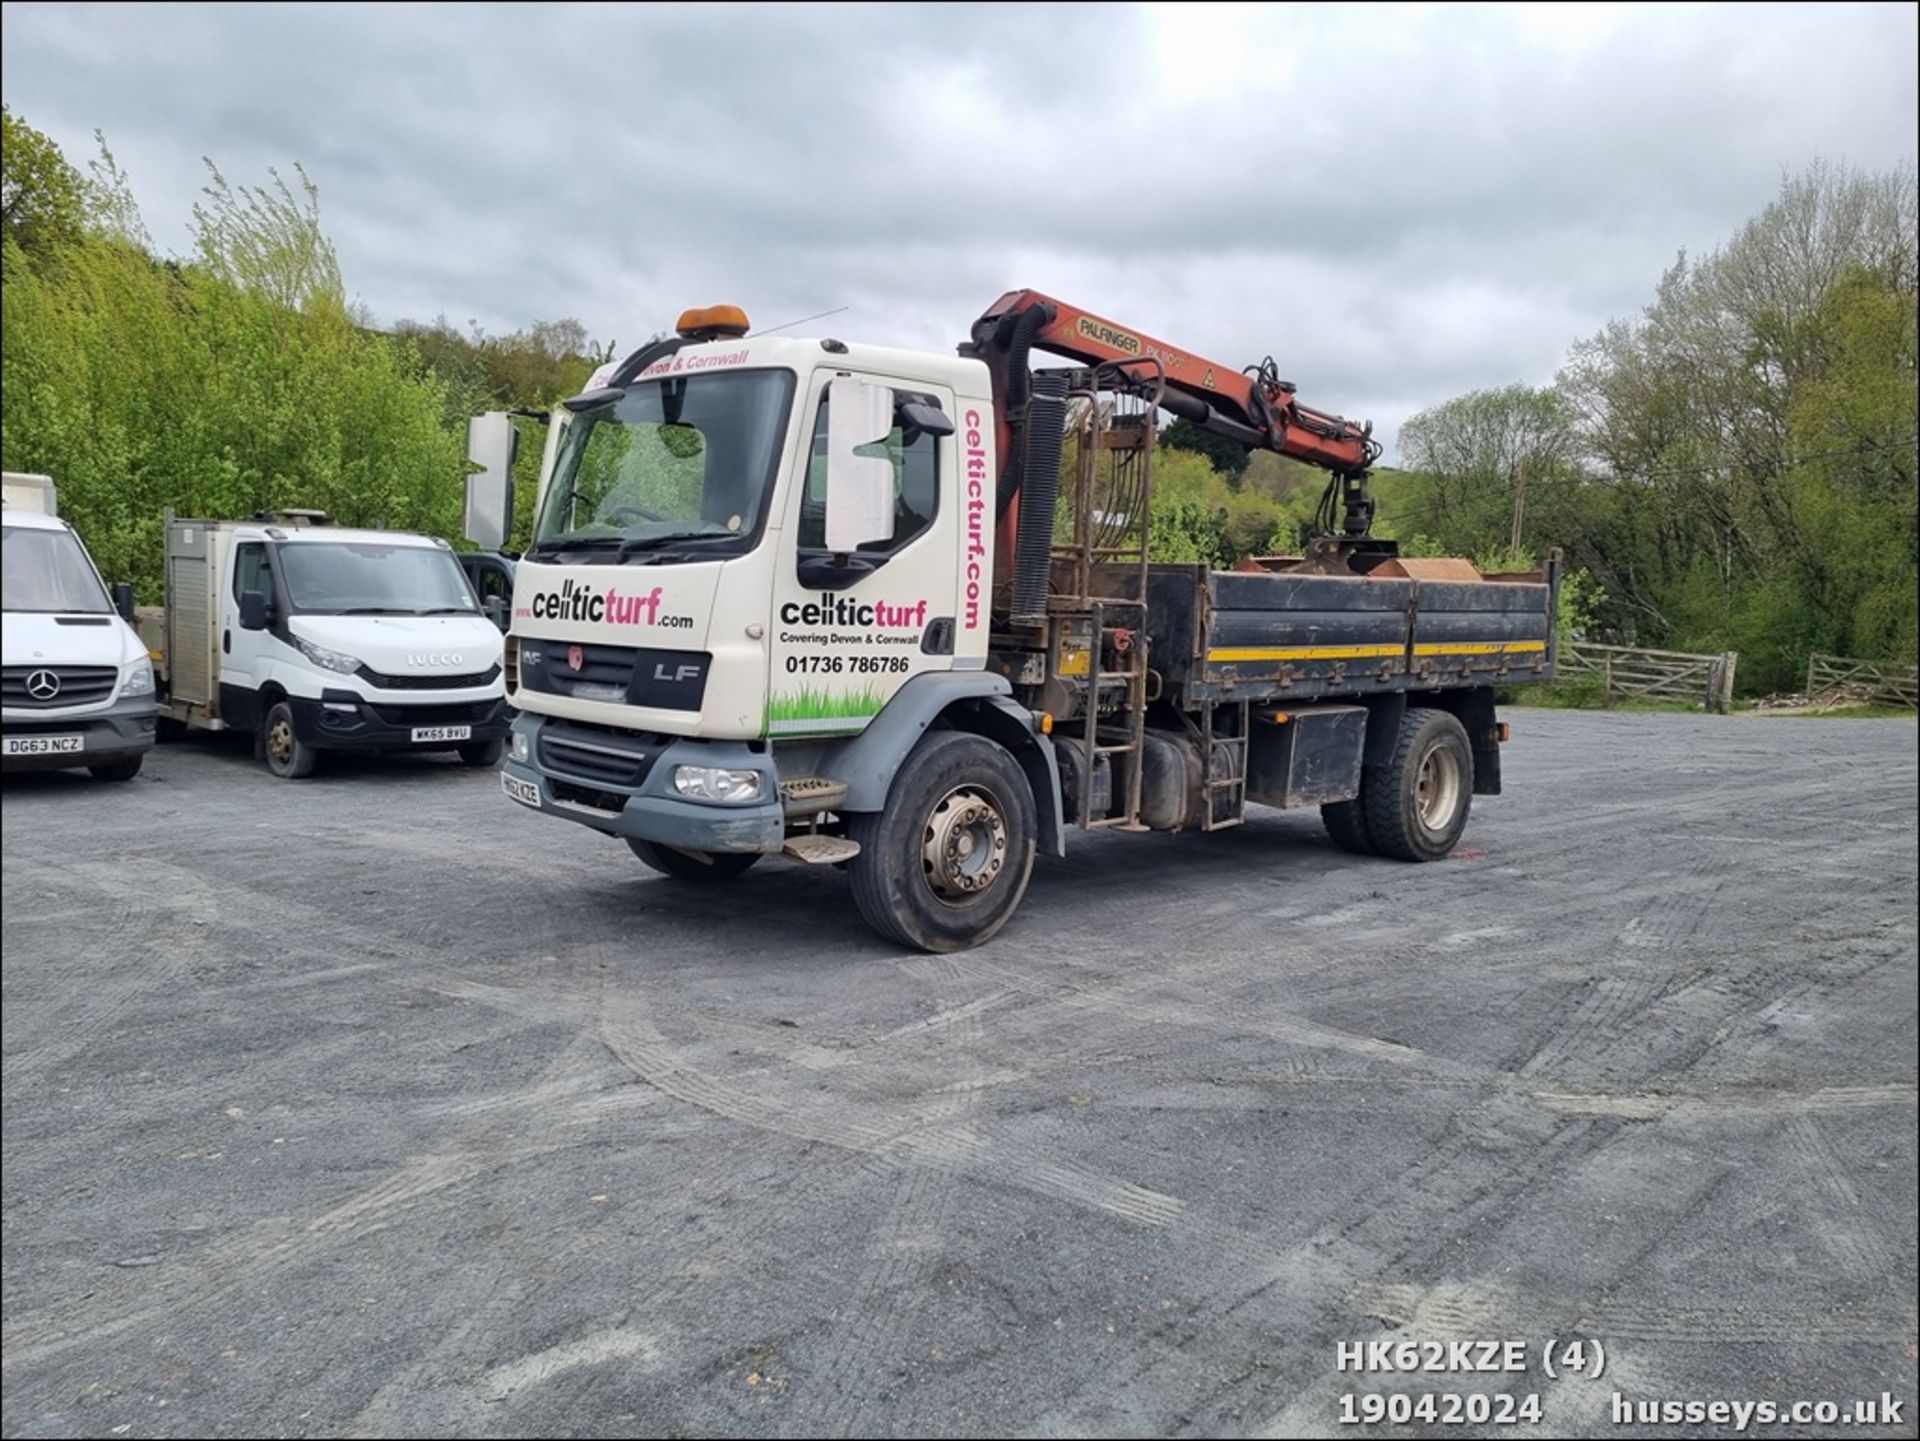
{"points": [[251, 571], [916, 483], [491, 581]]}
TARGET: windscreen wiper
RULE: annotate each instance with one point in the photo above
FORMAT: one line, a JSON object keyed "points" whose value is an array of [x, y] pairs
{"points": [[585, 542], [678, 537]]}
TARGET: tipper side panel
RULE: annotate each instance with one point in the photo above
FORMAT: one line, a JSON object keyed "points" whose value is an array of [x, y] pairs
{"points": [[1480, 633], [1240, 635]]}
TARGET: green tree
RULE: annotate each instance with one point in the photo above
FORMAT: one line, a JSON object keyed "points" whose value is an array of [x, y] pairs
{"points": [[44, 201], [226, 383]]}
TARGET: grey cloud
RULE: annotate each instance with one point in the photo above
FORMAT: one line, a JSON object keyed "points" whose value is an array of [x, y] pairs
{"points": [[1399, 205]]}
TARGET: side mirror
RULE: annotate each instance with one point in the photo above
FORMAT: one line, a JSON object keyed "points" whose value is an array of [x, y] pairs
{"points": [[253, 610], [927, 419], [859, 487], [123, 600], [496, 608], [821, 570], [492, 443]]}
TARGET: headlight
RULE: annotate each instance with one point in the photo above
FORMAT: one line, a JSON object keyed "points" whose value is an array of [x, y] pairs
{"points": [[518, 747], [328, 659], [139, 679], [716, 783]]}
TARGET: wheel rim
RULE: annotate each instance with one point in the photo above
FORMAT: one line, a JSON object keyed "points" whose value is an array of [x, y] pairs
{"points": [[1437, 788], [963, 847], [280, 742]]}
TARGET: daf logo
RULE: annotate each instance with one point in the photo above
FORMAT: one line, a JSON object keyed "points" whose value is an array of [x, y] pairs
{"points": [[43, 685], [435, 658]]}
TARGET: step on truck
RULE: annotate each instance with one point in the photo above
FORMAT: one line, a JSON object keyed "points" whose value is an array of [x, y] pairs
{"points": [[896, 612], [78, 683], [313, 637]]}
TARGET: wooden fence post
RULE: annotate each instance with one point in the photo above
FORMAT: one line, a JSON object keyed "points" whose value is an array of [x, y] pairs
{"points": [[1727, 664]]}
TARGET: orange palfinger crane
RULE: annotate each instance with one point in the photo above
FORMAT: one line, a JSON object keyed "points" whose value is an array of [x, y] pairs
{"points": [[1252, 406]]}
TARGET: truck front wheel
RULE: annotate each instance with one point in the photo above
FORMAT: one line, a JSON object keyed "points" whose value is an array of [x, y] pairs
{"points": [[287, 755], [692, 865], [945, 865], [1416, 805]]}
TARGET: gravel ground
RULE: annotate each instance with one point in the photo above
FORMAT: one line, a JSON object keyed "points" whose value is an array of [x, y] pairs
{"points": [[376, 1104]]}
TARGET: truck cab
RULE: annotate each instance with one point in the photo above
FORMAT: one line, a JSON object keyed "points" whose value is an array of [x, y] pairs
{"points": [[78, 686], [701, 585]]}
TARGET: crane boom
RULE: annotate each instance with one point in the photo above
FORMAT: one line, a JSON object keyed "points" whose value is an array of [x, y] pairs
{"points": [[1252, 406]]}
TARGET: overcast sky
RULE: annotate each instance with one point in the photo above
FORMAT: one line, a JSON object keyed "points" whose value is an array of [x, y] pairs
{"points": [[1398, 204]]}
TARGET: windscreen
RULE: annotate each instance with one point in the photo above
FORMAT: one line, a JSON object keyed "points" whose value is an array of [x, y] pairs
{"points": [[372, 578], [47, 571], [678, 460]]}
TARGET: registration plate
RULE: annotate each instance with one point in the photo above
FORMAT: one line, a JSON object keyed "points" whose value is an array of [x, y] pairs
{"points": [[441, 733], [525, 792], [43, 745]]}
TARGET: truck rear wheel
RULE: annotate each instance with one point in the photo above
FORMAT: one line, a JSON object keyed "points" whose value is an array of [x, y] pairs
{"points": [[945, 865], [1346, 822], [1416, 805], [287, 755], [692, 865]]}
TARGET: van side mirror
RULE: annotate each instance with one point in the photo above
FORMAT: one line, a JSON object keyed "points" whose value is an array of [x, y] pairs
{"points": [[492, 443], [123, 600], [254, 611], [496, 608], [859, 487]]}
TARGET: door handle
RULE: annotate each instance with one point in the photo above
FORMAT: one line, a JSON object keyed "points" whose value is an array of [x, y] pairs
{"points": [[226, 641]]}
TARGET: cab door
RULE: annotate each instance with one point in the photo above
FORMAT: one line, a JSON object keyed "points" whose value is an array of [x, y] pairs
{"points": [[850, 629], [242, 651]]}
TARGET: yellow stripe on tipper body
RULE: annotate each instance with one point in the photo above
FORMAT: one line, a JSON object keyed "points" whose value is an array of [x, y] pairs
{"points": [[1230, 654], [1497, 647], [1311, 652]]}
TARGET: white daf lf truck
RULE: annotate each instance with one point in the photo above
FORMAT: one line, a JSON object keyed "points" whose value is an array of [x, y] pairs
{"points": [[78, 684], [318, 638]]}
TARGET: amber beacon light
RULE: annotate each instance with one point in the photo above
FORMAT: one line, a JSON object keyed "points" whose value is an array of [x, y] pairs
{"points": [[712, 321]]}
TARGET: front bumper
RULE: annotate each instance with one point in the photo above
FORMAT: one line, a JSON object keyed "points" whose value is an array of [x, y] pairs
{"points": [[121, 731], [343, 720], [621, 783]]}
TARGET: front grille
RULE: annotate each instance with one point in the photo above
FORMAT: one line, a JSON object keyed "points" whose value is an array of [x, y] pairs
{"points": [[587, 796], [464, 713], [71, 685], [547, 665], [593, 753], [433, 681]]}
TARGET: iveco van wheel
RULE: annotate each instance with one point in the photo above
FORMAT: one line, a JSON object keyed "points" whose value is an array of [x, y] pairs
{"points": [[944, 866], [693, 865], [287, 755]]}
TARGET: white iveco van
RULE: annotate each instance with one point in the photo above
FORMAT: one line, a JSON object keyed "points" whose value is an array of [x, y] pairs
{"points": [[319, 638], [78, 687]]}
